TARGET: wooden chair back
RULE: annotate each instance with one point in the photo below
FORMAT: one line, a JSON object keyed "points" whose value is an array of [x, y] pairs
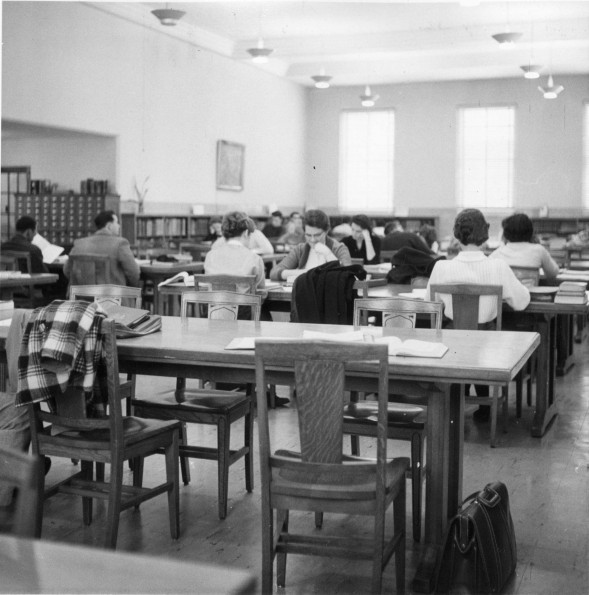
{"points": [[90, 269], [465, 302], [19, 470], [235, 283], [319, 380], [15, 260], [120, 294], [387, 255], [528, 276], [397, 312], [223, 305]]}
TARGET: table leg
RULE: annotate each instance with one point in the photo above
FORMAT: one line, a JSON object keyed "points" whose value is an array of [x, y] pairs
{"points": [[445, 433], [545, 375], [564, 346]]}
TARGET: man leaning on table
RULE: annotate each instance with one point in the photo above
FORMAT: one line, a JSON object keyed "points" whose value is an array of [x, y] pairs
{"points": [[106, 240], [317, 249]]}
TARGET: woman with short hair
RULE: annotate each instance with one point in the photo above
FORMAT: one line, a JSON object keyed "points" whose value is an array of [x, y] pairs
{"points": [[363, 243]]}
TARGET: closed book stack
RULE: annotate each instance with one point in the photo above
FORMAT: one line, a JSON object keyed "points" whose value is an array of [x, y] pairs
{"points": [[571, 292]]}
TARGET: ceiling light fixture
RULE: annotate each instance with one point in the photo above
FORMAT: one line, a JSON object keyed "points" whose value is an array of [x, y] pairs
{"points": [[507, 39], [368, 99], [551, 91], [532, 71], [260, 54], [168, 16], [322, 80]]}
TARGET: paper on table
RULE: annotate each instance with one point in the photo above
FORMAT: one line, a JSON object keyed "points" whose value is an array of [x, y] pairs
{"points": [[416, 294], [412, 347], [349, 336], [250, 342]]}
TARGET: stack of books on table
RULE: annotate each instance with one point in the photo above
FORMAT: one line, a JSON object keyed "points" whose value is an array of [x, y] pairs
{"points": [[571, 292]]}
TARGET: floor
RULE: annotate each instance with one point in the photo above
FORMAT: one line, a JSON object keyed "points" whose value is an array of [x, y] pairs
{"points": [[547, 478]]}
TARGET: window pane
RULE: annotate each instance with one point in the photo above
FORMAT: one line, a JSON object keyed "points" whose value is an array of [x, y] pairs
{"points": [[485, 162], [366, 160], [586, 159]]}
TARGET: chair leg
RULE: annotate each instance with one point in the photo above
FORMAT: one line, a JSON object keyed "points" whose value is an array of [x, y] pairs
{"points": [[272, 395], [172, 477], [282, 522], [505, 408], [493, 400], [267, 545], [114, 503], [399, 528], [416, 463], [223, 444], [184, 460], [519, 389], [355, 445], [87, 470], [40, 498], [318, 520], [249, 444]]}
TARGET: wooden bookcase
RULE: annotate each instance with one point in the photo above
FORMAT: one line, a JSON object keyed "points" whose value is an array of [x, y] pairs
{"points": [[65, 217]]}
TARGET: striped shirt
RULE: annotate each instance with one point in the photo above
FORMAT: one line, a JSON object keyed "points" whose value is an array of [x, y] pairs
{"points": [[475, 268]]}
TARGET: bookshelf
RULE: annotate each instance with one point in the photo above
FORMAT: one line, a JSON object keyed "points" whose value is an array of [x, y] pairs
{"points": [[559, 226], [65, 217]]}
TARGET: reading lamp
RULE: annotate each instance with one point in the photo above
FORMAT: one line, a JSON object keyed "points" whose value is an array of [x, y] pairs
{"points": [[168, 16]]}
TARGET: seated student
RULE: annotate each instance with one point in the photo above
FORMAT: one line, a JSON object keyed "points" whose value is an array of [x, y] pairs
{"points": [[124, 269], [274, 228], [519, 248], [428, 234], [343, 230], [257, 242], [215, 231], [317, 249], [294, 230], [396, 238], [363, 243], [234, 256], [472, 266], [26, 228]]}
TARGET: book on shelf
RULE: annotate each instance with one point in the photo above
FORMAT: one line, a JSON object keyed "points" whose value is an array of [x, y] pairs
{"points": [[182, 277], [50, 251]]}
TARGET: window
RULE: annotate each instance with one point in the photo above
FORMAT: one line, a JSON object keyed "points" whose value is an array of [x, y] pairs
{"points": [[367, 150], [485, 157], [586, 158]]}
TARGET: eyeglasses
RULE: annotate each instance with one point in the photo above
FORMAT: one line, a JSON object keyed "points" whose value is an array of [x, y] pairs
{"points": [[314, 236]]}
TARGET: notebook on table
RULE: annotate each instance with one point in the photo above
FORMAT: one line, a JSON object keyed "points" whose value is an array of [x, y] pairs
{"points": [[129, 317]]}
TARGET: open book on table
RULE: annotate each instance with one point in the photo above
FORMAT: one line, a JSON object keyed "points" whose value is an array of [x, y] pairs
{"points": [[50, 251], [412, 347], [183, 277]]}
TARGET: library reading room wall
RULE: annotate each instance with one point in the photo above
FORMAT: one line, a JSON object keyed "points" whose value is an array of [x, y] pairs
{"points": [[71, 65]]}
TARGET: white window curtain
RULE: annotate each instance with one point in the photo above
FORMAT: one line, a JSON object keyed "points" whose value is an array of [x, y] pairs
{"points": [[485, 157], [586, 157], [366, 163]]}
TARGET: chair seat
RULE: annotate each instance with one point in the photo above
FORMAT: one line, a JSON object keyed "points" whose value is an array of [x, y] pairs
{"points": [[196, 401], [397, 413], [360, 486], [135, 430]]}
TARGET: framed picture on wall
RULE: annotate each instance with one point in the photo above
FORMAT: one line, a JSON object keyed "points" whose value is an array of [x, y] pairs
{"points": [[230, 159]]}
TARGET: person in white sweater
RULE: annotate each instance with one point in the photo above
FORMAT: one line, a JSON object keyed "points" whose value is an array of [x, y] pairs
{"points": [[520, 250], [473, 267]]}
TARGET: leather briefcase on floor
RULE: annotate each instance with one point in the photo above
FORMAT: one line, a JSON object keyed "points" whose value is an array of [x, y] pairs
{"points": [[480, 550]]}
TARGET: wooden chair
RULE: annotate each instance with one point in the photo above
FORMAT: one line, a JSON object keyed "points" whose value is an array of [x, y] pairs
{"points": [[465, 308], [111, 440], [321, 478], [406, 421], [235, 283], [17, 260], [89, 269], [387, 255], [213, 407], [19, 470]]}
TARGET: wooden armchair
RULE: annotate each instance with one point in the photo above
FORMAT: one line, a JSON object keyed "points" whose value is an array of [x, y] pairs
{"points": [[406, 420], [212, 407], [89, 269], [20, 470], [321, 478], [111, 440], [465, 308]]}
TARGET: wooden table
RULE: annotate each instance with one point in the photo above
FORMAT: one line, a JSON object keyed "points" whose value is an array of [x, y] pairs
{"points": [[196, 348], [38, 566], [8, 285], [156, 273]]}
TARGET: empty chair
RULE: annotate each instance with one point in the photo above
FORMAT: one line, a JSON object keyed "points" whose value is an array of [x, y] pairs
{"points": [[465, 308], [406, 421], [213, 407], [320, 478], [89, 269], [19, 470], [121, 294], [111, 440]]}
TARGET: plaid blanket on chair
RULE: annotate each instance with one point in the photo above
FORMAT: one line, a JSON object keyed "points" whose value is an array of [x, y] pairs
{"points": [[61, 344]]}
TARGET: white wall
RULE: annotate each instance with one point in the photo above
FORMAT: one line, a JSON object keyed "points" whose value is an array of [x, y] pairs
{"points": [[67, 65], [548, 151]]}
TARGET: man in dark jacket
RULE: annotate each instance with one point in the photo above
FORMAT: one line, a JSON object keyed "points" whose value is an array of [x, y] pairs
{"points": [[26, 228], [396, 238]]}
